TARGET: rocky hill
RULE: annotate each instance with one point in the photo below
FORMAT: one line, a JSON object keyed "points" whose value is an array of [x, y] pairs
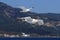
{"points": [[10, 23]]}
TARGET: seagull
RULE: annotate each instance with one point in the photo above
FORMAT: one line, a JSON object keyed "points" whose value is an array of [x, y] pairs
{"points": [[25, 9], [25, 35]]}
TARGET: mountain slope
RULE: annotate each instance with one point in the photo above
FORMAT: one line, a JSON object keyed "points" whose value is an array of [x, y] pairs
{"points": [[10, 23]]}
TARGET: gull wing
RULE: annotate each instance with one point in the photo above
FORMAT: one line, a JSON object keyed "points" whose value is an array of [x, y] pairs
{"points": [[23, 8]]}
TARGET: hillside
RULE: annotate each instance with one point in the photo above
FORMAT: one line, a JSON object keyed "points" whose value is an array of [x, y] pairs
{"points": [[10, 23]]}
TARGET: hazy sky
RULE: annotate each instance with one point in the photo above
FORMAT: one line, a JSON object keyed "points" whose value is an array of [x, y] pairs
{"points": [[41, 6]]}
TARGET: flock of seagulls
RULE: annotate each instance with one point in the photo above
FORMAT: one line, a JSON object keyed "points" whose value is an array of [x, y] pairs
{"points": [[32, 20], [12, 35]]}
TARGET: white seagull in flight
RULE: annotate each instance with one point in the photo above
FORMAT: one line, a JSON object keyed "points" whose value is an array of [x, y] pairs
{"points": [[25, 9], [25, 35]]}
